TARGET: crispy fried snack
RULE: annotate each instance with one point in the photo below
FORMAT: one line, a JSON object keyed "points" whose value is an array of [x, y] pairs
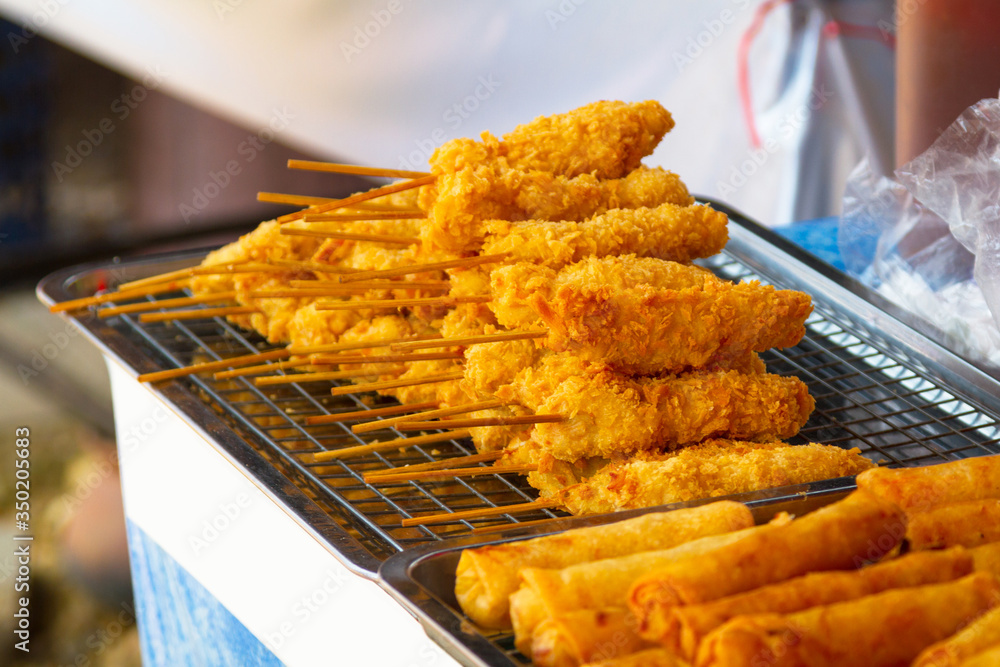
{"points": [[987, 558], [608, 413], [607, 139], [976, 637], [974, 478], [599, 584], [462, 201], [488, 575], [967, 524], [987, 658], [669, 231], [882, 630], [644, 326], [686, 626], [709, 469], [576, 637], [840, 536]]}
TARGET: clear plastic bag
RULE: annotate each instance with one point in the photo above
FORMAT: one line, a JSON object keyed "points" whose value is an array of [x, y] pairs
{"points": [[929, 239]]}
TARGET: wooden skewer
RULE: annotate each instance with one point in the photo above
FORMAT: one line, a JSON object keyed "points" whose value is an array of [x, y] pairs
{"points": [[360, 345], [336, 168], [110, 297], [304, 292], [485, 457], [469, 340], [213, 269], [292, 200], [349, 236], [315, 267], [365, 414], [371, 215], [363, 285], [480, 513], [378, 424], [402, 303], [420, 268], [395, 384], [166, 303], [388, 444], [209, 366], [512, 526], [261, 369], [476, 423], [324, 376], [361, 197], [426, 475], [385, 358], [197, 314]]}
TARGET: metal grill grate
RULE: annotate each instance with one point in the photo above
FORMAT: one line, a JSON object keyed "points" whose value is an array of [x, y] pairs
{"points": [[871, 392]]}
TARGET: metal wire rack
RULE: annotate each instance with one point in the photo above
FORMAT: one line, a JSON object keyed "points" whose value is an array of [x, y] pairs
{"points": [[874, 390]]}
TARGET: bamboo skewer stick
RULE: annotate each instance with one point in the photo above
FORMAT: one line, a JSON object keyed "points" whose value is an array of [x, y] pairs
{"points": [[166, 303], [364, 285], [476, 423], [445, 301], [261, 369], [485, 457], [429, 475], [337, 168], [512, 526], [385, 358], [420, 268], [361, 197], [297, 265], [323, 376], [388, 444], [469, 340], [365, 414], [292, 200], [480, 513], [378, 424], [412, 214], [350, 236], [360, 345], [197, 314], [208, 366], [212, 269], [121, 295], [395, 384]]}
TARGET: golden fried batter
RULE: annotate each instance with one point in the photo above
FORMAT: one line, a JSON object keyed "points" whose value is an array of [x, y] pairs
{"points": [[671, 232], [596, 309], [608, 413], [707, 470]]}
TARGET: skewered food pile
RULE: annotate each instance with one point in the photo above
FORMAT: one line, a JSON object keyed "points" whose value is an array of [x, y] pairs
{"points": [[845, 585], [536, 291]]}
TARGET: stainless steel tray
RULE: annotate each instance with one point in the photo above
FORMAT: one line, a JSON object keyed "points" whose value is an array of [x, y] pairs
{"points": [[881, 384]]}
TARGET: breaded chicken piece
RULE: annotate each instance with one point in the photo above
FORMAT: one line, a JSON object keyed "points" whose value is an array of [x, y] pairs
{"points": [[596, 309], [707, 470], [461, 201], [607, 139], [669, 231], [608, 413]]}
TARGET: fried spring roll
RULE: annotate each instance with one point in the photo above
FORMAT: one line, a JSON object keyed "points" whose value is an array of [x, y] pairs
{"points": [[576, 637], [883, 630], [840, 536], [599, 584], [487, 576], [967, 524], [987, 558], [976, 637], [653, 657], [930, 486], [686, 626]]}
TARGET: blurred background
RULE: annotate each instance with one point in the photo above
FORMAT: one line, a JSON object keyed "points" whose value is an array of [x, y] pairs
{"points": [[135, 126]]}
